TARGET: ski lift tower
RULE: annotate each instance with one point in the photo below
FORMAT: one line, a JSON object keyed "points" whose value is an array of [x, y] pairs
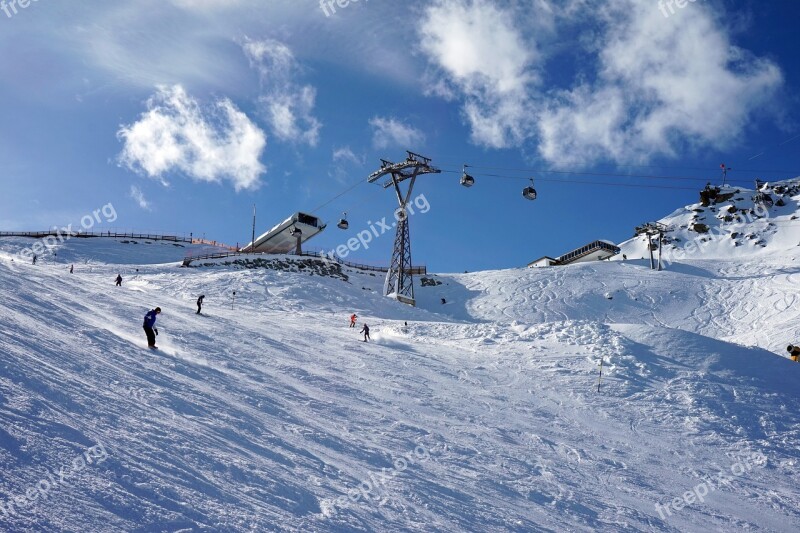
{"points": [[652, 229], [399, 280]]}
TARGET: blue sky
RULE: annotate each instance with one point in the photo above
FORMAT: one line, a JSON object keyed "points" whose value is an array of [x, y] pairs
{"points": [[185, 113]]}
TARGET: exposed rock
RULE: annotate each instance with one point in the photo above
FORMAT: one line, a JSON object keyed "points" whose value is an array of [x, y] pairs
{"points": [[724, 197], [308, 266]]}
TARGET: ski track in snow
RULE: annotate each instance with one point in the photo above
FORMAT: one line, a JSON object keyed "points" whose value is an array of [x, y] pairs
{"points": [[265, 413]]}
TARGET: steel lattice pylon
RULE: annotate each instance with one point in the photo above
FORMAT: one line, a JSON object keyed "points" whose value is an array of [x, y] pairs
{"points": [[399, 280]]}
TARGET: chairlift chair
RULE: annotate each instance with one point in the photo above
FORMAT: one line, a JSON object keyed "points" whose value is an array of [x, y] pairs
{"points": [[529, 193], [466, 179], [343, 224]]}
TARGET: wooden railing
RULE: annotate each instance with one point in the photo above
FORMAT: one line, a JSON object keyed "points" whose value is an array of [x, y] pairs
{"points": [[215, 243], [418, 270], [95, 234], [62, 235]]}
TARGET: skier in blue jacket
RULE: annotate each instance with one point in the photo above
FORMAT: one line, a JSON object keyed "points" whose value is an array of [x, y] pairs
{"points": [[149, 327]]}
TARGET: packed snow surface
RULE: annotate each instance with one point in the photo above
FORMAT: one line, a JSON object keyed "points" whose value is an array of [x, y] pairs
{"points": [[268, 413]]}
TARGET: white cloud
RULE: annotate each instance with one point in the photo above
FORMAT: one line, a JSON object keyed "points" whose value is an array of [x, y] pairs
{"points": [[111, 47], [288, 106], [662, 85], [207, 5], [345, 154], [138, 196], [343, 161], [646, 86], [479, 54], [391, 132], [214, 144]]}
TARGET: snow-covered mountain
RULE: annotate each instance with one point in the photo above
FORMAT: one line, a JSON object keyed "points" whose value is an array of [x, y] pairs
{"points": [[730, 222], [268, 413]]}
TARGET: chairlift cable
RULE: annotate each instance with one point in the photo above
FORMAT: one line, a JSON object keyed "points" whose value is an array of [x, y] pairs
{"points": [[550, 180], [668, 167], [598, 174], [339, 195], [579, 182]]}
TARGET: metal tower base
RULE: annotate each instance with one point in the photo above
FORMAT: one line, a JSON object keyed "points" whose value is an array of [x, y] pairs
{"points": [[403, 299]]}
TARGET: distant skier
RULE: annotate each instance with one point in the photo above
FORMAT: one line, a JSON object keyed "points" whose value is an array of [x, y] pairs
{"points": [[365, 331], [119, 280], [444, 301], [353, 319], [200, 303], [794, 352], [150, 328], [72, 269], [34, 259]]}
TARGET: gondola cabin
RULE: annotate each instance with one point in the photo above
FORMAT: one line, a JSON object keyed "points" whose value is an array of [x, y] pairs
{"points": [[529, 193]]}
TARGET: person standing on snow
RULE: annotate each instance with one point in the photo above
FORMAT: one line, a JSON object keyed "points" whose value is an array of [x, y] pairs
{"points": [[150, 328], [794, 352], [34, 259], [72, 269], [365, 331], [119, 280], [353, 320], [200, 303]]}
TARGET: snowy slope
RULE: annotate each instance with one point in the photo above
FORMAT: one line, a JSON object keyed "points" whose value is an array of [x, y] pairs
{"points": [[754, 304], [87, 251], [269, 414]]}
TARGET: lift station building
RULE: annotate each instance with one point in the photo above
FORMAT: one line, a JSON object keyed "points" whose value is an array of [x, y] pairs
{"points": [[594, 251]]}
